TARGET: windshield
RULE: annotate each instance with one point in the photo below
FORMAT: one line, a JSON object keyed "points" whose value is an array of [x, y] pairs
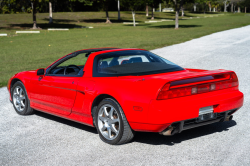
{"points": [[132, 62]]}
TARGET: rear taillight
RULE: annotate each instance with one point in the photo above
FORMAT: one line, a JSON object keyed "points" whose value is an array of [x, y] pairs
{"points": [[168, 92]]}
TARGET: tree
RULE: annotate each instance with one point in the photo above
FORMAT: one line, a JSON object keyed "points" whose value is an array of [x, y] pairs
{"points": [[34, 3], [226, 4], [34, 11], [133, 5], [118, 6], [50, 13], [153, 4], [215, 5], [105, 4], [210, 6], [146, 10], [204, 2], [244, 3], [236, 2], [195, 4], [178, 5]]}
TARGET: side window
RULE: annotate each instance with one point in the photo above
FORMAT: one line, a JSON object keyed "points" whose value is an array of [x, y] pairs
{"points": [[71, 67]]}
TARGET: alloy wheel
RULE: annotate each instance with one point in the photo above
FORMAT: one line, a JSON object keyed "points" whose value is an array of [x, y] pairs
{"points": [[19, 98], [108, 122]]}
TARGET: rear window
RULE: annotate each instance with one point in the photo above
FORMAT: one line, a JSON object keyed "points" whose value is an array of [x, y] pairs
{"points": [[132, 62]]}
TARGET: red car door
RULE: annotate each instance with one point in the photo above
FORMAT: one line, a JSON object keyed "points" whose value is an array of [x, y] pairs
{"points": [[54, 93], [56, 90]]}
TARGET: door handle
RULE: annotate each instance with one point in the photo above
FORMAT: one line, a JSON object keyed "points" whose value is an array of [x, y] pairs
{"points": [[73, 82], [39, 79]]}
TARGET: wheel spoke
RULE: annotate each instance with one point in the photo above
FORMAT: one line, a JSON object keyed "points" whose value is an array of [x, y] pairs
{"points": [[114, 121], [15, 95], [22, 103], [111, 112], [22, 98], [114, 129], [17, 92], [18, 106], [102, 118], [103, 128], [20, 92], [109, 132], [105, 112]]}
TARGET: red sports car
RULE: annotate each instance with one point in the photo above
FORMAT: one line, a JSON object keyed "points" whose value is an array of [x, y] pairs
{"points": [[120, 91]]}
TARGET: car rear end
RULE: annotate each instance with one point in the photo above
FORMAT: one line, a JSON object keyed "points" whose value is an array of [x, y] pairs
{"points": [[192, 101]]}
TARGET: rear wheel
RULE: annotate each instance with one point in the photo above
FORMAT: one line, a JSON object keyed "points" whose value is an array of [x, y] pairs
{"points": [[111, 123], [20, 99]]}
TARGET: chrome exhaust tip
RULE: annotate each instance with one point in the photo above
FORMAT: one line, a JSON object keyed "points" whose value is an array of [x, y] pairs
{"points": [[167, 132], [228, 118]]}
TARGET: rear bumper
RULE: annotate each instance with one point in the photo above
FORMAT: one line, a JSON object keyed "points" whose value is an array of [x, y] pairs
{"points": [[178, 127], [163, 113]]}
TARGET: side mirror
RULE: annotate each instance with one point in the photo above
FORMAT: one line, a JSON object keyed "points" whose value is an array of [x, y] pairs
{"points": [[40, 72]]}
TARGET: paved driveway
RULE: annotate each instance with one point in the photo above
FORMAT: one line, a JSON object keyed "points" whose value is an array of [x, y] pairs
{"points": [[42, 139]]}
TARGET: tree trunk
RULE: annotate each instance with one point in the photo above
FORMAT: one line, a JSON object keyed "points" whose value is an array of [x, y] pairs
{"points": [[118, 10], [160, 7], [225, 6], [34, 15], [147, 10], [232, 7], [176, 19], [50, 13], [245, 9], [177, 11], [107, 16], [194, 7], [238, 9], [176, 15], [182, 12], [133, 14], [152, 14], [210, 8]]}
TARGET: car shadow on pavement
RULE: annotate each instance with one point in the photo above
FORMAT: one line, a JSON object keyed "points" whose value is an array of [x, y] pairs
{"points": [[67, 122], [153, 138], [157, 139]]}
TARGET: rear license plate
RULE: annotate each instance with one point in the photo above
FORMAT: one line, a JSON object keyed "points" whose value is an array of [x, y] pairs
{"points": [[206, 113]]}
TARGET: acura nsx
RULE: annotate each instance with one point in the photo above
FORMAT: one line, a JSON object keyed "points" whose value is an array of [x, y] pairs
{"points": [[122, 91]]}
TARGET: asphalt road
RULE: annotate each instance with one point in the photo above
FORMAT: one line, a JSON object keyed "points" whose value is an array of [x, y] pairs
{"points": [[42, 139]]}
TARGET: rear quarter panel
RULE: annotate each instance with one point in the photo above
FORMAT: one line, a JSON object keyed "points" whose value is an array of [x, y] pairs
{"points": [[129, 92]]}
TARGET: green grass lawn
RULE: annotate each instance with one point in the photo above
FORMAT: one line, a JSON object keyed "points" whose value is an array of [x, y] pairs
{"points": [[20, 52]]}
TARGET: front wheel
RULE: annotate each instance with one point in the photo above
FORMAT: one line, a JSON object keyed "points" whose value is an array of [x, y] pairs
{"points": [[112, 124], [20, 99]]}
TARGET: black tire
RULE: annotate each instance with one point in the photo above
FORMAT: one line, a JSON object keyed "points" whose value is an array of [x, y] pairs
{"points": [[27, 110], [126, 134]]}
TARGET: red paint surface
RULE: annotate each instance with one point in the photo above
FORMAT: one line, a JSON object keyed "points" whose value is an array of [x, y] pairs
{"points": [[61, 97]]}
